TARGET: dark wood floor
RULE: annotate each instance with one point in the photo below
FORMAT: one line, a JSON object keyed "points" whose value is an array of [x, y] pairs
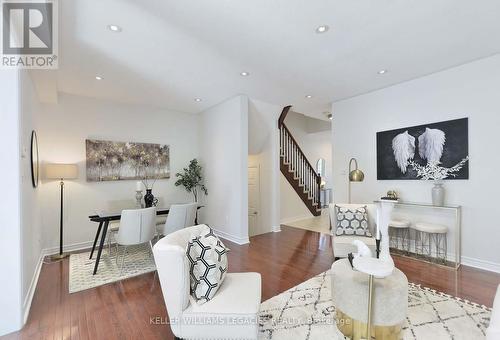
{"points": [[123, 310]]}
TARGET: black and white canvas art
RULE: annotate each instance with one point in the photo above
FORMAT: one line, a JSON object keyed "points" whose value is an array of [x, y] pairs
{"points": [[428, 152], [115, 161]]}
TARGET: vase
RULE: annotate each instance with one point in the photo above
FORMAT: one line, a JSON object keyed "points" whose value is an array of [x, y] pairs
{"points": [[149, 198], [438, 194]]}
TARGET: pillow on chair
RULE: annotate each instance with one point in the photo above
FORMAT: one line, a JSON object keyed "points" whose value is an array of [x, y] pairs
{"points": [[207, 257], [352, 221]]}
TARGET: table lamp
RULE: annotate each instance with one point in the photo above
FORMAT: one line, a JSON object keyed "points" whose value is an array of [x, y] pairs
{"points": [[355, 175], [61, 172]]}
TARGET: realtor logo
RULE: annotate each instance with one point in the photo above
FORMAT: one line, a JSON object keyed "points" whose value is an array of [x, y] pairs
{"points": [[29, 34]]}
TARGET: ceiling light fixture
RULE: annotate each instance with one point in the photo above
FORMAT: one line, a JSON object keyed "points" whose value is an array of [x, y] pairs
{"points": [[114, 28], [322, 29], [382, 71], [244, 74], [99, 78], [330, 116], [197, 100], [309, 96]]}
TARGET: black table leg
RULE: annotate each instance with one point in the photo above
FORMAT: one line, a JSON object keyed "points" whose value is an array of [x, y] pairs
{"points": [[101, 245], [95, 240]]}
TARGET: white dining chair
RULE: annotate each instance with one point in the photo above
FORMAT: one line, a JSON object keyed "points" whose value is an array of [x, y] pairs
{"points": [[137, 226], [179, 216]]}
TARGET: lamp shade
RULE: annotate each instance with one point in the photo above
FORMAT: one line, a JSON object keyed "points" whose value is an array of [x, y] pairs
{"points": [[356, 176], [61, 171]]}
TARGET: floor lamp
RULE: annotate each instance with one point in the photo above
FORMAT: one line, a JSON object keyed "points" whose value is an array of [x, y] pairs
{"points": [[355, 175], [61, 172]]}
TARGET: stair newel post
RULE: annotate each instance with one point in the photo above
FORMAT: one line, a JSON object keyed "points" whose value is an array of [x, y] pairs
{"points": [[318, 188]]}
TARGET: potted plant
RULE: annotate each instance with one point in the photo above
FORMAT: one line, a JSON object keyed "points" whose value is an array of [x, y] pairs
{"points": [[192, 179]]}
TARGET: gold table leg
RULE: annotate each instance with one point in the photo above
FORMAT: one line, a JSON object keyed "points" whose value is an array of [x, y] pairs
{"points": [[370, 300]]}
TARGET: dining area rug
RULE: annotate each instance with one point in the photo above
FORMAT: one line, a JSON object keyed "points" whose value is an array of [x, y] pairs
{"points": [[307, 312], [138, 260]]}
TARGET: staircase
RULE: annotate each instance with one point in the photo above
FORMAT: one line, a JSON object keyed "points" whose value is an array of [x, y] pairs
{"points": [[297, 169]]}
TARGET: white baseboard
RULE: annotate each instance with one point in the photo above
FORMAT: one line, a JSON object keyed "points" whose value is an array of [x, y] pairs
{"points": [[232, 238], [295, 218], [68, 248], [31, 290], [276, 228], [481, 264]]}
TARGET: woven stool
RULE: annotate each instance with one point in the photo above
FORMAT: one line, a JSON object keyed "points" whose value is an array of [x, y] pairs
{"points": [[429, 236], [399, 234]]}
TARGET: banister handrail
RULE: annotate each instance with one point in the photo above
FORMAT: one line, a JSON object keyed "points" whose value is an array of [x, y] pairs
{"points": [[298, 147], [283, 114]]}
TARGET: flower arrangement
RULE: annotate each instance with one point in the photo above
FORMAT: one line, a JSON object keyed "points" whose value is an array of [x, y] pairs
{"points": [[433, 171]]}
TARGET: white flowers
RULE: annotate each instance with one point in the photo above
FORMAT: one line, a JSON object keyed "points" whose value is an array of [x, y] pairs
{"points": [[433, 171]]}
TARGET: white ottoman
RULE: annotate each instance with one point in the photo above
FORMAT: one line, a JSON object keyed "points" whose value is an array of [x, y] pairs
{"points": [[399, 234], [429, 236], [350, 298]]}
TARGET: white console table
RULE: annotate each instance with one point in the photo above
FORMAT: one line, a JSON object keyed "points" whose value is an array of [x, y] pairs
{"points": [[457, 211]]}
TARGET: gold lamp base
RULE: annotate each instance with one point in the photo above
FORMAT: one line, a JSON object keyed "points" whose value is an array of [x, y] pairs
{"points": [[357, 330], [58, 257]]}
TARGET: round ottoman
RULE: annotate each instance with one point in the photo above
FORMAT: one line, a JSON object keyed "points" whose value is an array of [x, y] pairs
{"points": [[399, 234], [350, 298]]}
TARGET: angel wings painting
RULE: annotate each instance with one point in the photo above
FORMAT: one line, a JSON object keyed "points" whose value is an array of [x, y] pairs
{"points": [[433, 151]]}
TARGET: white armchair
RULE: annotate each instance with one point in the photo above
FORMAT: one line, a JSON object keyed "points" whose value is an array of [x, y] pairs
{"points": [[231, 314], [493, 331], [342, 245]]}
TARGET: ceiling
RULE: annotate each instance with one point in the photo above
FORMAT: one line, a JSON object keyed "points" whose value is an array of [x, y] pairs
{"points": [[170, 52]]}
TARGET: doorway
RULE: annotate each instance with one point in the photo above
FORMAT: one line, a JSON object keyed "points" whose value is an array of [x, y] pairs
{"points": [[254, 225]]}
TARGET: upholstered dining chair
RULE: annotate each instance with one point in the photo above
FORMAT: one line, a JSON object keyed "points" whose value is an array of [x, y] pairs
{"points": [[232, 312], [342, 245], [137, 226], [179, 216]]}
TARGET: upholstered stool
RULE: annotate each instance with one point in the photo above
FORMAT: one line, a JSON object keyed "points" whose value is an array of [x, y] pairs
{"points": [[350, 297], [399, 234], [429, 236]]}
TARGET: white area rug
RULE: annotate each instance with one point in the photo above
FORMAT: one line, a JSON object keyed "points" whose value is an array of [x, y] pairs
{"points": [[307, 312], [137, 261]]}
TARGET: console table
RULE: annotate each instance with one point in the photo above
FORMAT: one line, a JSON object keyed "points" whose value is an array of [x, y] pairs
{"points": [[456, 227]]}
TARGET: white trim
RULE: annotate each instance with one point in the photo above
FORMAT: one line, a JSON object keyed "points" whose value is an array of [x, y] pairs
{"points": [[481, 264], [31, 290], [295, 218], [68, 248], [276, 228], [229, 237]]}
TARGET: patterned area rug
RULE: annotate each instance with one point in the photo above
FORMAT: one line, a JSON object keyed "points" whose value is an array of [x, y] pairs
{"points": [[138, 260], [306, 312]]}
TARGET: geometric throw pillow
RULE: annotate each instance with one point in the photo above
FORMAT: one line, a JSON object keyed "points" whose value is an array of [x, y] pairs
{"points": [[352, 221], [207, 257]]}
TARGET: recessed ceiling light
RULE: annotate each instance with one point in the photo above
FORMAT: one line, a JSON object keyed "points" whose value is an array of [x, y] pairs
{"points": [[309, 96], [99, 78], [244, 74], [197, 100], [114, 28], [382, 71], [322, 29]]}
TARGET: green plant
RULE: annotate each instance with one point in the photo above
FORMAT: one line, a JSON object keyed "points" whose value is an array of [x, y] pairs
{"points": [[192, 179]]}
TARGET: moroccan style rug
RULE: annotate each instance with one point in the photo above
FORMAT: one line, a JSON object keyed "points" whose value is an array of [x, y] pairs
{"points": [[138, 260], [306, 312]]}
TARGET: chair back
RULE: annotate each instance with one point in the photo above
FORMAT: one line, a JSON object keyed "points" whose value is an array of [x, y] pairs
{"points": [[371, 209], [180, 216], [173, 268], [137, 226]]}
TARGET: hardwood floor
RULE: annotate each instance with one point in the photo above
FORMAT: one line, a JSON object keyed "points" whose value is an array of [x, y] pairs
{"points": [[132, 310]]}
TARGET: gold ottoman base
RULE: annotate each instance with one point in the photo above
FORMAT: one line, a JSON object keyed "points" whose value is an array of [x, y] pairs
{"points": [[356, 330]]}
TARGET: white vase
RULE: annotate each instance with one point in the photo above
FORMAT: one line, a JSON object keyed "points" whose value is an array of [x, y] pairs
{"points": [[438, 194]]}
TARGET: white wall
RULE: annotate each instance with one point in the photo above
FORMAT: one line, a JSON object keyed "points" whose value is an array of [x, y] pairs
{"points": [[469, 90], [263, 148], [63, 128], [10, 220], [223, 133], [31, 230]]}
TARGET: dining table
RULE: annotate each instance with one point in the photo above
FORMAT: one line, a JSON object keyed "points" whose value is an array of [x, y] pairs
{"points": [[104, 218]]}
